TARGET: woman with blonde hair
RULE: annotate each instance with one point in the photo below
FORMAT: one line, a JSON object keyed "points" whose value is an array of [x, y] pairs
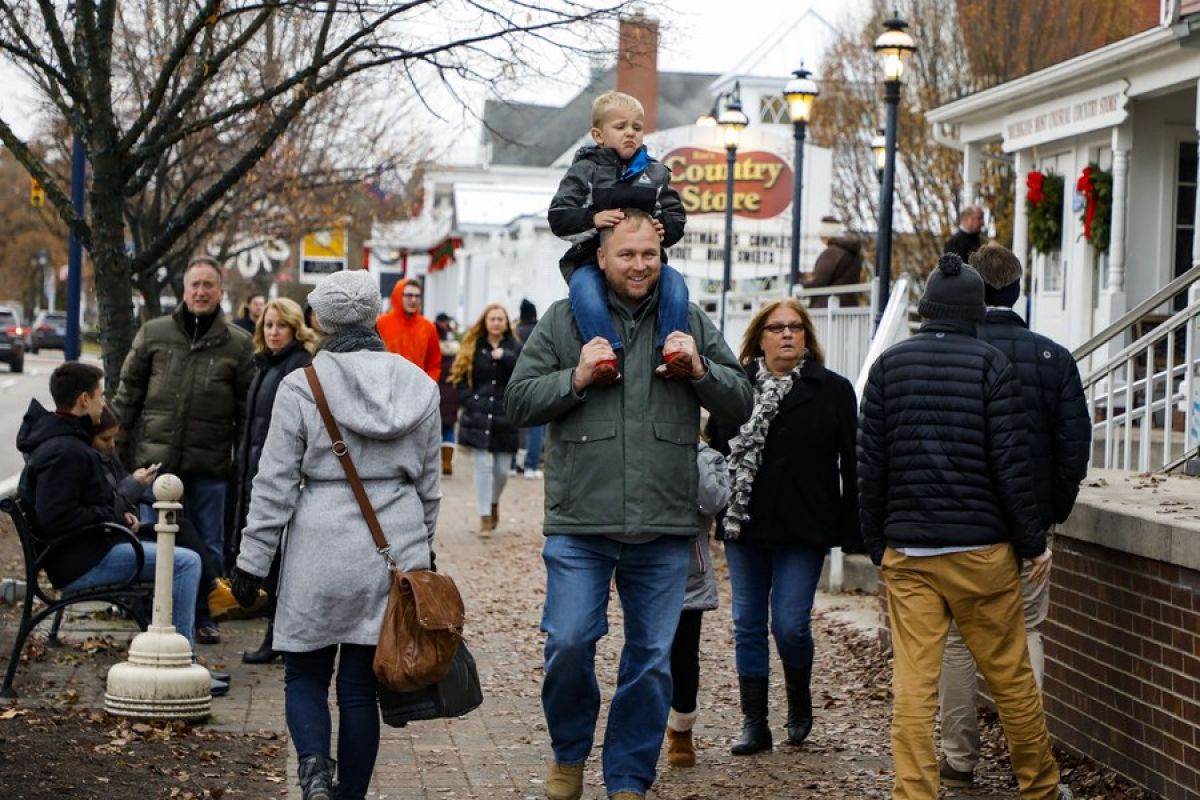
{"points": [[282, 343], [794, 495], [481, 371]]}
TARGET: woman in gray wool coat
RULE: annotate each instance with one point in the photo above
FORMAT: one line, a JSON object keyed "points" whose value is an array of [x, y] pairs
{"points": [[333, 583]]}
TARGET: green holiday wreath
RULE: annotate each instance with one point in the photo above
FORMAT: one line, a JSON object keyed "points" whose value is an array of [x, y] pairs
{"points": [[1095, 184], [1044, 207]]}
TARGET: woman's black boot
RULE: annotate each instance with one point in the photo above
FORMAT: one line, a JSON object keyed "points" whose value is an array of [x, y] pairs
{"points": [[316, 777], [266, 653], [756, 734], [799, 700]]}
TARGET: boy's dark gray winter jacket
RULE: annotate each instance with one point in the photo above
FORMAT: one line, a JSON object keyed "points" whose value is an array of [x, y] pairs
{"points": [[593, 184]]}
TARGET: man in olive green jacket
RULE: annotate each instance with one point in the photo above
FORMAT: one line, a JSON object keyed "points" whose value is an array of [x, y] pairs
{"points": [[620, 487], [182, 399]]}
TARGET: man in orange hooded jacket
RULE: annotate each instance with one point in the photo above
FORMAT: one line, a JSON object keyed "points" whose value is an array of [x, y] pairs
{"points": [[405, 332]]}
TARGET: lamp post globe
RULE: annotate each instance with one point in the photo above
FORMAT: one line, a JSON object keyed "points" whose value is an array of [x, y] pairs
{"points": [[731, 121], [894, 47], [800, 93]]}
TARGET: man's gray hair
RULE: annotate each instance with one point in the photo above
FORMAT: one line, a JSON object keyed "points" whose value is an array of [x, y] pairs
{"points": [[205, 261]]}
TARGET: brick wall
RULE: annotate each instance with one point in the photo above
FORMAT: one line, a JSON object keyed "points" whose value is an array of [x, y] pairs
{"points": [[1123, 664]]}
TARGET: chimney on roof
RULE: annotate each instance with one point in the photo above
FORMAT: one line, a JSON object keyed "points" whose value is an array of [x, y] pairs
{"points": [[637, 63]]}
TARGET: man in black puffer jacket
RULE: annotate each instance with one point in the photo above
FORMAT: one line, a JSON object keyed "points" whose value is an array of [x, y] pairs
{"points": [[947, 507], [1060, 444]]}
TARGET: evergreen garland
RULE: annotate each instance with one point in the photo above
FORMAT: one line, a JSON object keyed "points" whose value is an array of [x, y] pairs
{"points": [[1044, 207]]}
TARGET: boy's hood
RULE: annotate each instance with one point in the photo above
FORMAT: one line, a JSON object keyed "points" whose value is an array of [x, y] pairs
{"points": [[40, 426]]}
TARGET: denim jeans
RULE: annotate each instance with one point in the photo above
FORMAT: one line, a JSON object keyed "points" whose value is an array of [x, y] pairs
{"points": [[204, 505], [589, 304], [533, 448], [306, 705], [650, 581], [119, 562], [780, 582], [448, 433], [491, 475]]}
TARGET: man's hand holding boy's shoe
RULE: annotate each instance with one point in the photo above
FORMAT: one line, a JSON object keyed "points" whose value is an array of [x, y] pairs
{"points": [[245, 587], [597, 364]]}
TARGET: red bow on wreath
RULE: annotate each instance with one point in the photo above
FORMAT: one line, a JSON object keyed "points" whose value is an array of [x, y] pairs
{"points": [[1033, 182], [1087, 188]]}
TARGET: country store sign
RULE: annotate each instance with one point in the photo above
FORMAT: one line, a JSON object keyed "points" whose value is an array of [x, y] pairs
{"points": [[762, 185]]}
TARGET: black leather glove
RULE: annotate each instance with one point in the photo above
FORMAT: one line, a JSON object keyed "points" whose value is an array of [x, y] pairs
{"points": [[245, 587]]}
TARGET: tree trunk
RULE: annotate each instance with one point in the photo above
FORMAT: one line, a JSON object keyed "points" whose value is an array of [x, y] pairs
{"points": [[114, 286]]}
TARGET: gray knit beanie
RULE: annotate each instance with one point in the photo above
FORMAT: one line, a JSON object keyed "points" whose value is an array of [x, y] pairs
{"points": [[953, 291], [346, 299]]}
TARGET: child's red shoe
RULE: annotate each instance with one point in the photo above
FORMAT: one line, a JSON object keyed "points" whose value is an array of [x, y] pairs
{"points": [[676, 366], [606, 372]]}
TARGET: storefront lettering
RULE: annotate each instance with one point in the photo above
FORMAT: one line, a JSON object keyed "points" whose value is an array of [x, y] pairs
{"points": [[1069, 116], [762, 182]]}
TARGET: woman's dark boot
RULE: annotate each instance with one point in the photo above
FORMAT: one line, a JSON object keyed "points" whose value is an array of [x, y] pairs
{"points": [[756, 734], [799, 700], [266, 652], [316, 777]]}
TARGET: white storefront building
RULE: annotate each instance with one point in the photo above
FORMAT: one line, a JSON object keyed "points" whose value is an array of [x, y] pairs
{"points": [[1130, 108]]}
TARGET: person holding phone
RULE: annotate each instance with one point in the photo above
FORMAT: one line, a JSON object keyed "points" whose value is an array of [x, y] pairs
{"points": [[128, 491]]}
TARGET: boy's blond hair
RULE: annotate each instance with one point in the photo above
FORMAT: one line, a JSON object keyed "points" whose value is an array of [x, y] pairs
{"points": [[610, 101]]}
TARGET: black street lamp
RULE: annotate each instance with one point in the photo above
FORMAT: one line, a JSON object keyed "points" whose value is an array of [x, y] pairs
{"points": [[894, 46], [800, 93], [731, 121]]}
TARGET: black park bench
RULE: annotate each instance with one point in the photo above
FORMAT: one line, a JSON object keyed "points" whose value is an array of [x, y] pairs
{"points": [[132, 595]]}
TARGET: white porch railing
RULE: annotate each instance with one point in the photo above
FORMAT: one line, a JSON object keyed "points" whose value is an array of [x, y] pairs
{"points": [[1139, 396], [844, 331]]}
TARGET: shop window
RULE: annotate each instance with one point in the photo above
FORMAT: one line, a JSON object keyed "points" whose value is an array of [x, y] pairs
{"points": [[772, 110]]}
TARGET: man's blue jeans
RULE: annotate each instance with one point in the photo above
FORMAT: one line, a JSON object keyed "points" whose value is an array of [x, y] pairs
{"points": [[306, 706], [779, 581], [204, 504], [119, 562], [650, 581]]}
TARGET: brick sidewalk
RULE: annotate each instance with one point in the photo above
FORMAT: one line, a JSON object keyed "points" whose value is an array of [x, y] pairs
{"points": [[500, 750]]}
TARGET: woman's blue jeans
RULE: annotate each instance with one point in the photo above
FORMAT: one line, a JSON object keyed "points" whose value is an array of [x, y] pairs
{"points": [[306, 705], [775, 584], [589, 304], [119, 562], [650, 580]]}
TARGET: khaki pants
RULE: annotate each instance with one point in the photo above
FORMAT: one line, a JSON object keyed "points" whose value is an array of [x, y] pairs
{"points": [[979, 590], [957, 692]]}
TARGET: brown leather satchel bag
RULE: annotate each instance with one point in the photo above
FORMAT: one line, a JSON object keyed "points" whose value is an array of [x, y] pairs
{"points": [[423, 624]]}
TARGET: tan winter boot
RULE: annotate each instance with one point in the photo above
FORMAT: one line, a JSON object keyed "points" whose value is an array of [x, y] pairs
{"points": [[564, 783], [681, 751], [495, 515], [447, 459], [485, 527]]}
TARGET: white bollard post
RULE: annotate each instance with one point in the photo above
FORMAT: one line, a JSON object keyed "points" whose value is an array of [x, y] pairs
{"points": [[159, 681]]}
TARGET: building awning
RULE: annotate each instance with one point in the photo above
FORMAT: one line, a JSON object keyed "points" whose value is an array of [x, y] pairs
{"points": [[483, 206]]}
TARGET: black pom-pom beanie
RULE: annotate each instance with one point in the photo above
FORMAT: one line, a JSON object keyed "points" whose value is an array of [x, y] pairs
{"points": [[953, 291]]}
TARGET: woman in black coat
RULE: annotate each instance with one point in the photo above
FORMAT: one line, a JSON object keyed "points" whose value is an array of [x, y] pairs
{"points": [[481, 372], [792, 467], [282, 343]]}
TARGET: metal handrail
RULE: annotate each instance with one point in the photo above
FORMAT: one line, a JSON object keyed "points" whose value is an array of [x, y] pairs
{"points": [[1138, 347], [1137, 312]]}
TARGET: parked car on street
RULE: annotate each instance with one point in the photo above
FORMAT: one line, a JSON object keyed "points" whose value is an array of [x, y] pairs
{"points": [[12, 339], [49, 330]]}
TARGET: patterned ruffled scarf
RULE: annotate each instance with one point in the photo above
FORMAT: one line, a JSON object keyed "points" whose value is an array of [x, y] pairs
{"points": [[745, 449]]}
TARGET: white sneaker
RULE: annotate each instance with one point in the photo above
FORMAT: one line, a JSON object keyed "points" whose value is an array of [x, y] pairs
{"points": [[533, 474]]}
